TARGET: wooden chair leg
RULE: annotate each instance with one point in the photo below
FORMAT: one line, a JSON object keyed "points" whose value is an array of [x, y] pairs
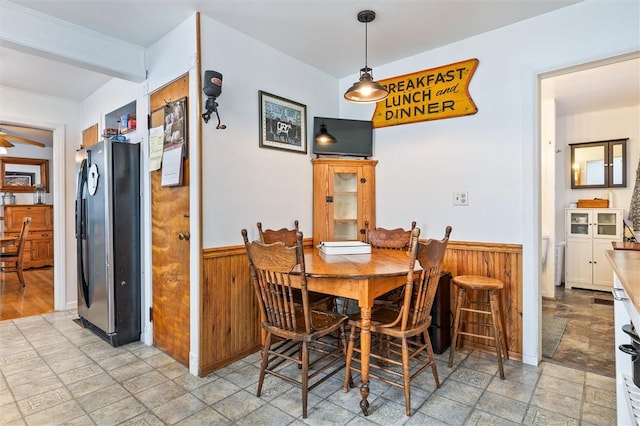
{"points": [[432, 358], [264, 362], [456, 324], [348, 380], [305, 377], [20, 273], [406, 376]]}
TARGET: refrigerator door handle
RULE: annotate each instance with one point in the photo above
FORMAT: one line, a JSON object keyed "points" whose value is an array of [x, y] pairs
{"points": [[81, 232]]}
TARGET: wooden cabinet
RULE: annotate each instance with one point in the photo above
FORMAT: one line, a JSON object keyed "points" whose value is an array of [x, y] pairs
{"points": [[343, 198], [589, 236], [39, 247]]}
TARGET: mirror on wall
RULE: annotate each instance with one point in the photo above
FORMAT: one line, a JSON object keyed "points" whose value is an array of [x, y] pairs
{"points": [[23, 174], [601, 164]]}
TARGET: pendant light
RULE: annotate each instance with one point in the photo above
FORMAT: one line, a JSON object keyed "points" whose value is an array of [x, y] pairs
{"points": [[323, 137], [366, 89]]}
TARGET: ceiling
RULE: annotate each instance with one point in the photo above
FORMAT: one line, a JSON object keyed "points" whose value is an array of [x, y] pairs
{"points": [[322, 33]]}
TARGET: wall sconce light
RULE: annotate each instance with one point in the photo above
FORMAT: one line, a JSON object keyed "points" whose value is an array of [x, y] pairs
{"points": [[366, 90], [213, 89], [323, 137]]}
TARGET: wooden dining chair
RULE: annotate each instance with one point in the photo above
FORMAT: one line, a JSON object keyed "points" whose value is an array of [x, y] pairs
{"points": [[403, 330], [394, 239], [397, 239], [12, 260], [288, 237], [298, 330]]}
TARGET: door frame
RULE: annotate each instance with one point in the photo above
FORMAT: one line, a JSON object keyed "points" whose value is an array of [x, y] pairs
{"points": [[58, 169]]}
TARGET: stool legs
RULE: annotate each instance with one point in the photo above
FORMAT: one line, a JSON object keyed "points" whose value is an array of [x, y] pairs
{"points": [[497, 329], [499, 332]]}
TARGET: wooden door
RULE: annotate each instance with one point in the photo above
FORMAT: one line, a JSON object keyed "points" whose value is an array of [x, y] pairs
{"points": [[170, 248]]}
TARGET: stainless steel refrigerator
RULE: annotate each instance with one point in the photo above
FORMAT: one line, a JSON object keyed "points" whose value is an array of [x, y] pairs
{"points": [[108, 240]]}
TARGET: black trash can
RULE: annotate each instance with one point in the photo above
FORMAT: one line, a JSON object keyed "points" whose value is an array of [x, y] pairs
{"points": [[441, 318]]}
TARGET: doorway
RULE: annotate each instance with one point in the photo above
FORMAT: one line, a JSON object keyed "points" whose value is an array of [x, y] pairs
{"points": [[572, 102], [57, 167]]}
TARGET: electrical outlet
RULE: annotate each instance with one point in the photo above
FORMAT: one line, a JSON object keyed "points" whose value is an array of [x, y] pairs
{"points": [[460, 198]]}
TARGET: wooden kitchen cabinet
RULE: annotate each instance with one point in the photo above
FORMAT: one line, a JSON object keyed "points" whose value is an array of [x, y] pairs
{"points": [[39, 246], [343, 198]]}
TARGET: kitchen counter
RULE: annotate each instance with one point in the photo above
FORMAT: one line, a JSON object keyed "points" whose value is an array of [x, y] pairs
{"points": [[626, 308], [626, 265], [621, 245]]}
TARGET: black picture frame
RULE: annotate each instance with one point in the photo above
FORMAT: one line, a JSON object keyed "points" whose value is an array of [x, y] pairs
{"points": [[175, 125], [21, 179], [283, 123]]}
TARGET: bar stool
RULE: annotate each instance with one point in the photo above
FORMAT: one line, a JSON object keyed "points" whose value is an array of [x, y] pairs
{"points": [[493, 287]]}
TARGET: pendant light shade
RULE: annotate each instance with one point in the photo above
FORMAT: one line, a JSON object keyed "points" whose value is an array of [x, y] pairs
{"points": [[323, 137], [366, 89]]}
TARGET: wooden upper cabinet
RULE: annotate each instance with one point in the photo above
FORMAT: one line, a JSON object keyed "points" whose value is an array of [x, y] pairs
{"points": [[90, 136], [343, 198]]}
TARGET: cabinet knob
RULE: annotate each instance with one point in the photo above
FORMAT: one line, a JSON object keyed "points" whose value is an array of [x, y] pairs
{"points": [[184, 235]]}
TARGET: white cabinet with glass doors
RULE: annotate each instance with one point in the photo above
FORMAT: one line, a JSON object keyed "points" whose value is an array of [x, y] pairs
{"points": [[589, 235]]}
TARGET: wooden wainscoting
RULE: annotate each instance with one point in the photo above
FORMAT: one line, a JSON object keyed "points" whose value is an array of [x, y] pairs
{"points": [[501, 261], [230, 319], [229, 315]]}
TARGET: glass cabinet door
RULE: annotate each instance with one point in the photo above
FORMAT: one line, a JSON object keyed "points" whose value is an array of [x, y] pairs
{"points": [[345, 206], [606, 224], [579, 222]]}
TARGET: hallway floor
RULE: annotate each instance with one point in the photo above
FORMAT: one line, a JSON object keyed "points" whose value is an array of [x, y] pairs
{"points": [[588, 342], [53, 371]]}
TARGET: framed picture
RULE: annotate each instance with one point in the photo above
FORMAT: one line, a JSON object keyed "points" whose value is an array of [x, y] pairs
{"points": [[19, 178], [283, 123], [175, 125]]}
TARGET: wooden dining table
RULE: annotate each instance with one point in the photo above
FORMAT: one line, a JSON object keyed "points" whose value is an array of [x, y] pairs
{"points": [[361, 277]]}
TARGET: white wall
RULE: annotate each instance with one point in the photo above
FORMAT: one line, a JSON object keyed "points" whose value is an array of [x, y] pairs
{"points": [[493, 154], [63, 116], [243, 183]]}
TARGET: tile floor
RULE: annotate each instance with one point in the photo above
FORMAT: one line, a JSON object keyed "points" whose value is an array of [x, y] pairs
{"points": [[55, 372], [588, 342]]}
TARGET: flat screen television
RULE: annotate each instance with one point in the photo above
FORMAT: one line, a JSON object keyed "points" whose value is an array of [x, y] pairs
{"points": [[353, 137]]}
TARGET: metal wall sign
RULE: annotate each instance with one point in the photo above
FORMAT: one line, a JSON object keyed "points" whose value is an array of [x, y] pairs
{"points": [[431, 94]]}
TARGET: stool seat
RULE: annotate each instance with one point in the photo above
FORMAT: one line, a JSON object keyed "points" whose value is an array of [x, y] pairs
{"points": [[494, 330], [478, 282]]}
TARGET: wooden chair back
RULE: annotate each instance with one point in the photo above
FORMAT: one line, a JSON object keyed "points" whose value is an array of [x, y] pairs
{"points": [[22, 241], [287, 236], [271, 267], [15, 257], [420, 293], [398, 239]]}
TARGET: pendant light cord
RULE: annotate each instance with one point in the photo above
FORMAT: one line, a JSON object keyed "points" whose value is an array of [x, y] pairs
{"points": [[366, 44]]}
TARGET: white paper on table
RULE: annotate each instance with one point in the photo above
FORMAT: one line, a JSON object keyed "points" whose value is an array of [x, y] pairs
{"points": [[156, 145], [172, 166]]}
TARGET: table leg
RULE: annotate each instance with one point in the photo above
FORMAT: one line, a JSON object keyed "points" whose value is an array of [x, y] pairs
{"points": [[365, 347]]}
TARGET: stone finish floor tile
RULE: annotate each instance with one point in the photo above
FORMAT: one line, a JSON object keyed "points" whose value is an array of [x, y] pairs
{"points": [[53, 371]]}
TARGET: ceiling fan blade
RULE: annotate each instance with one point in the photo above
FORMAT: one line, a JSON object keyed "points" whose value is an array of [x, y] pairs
{"points": [[5, 143], [23, 140]]}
